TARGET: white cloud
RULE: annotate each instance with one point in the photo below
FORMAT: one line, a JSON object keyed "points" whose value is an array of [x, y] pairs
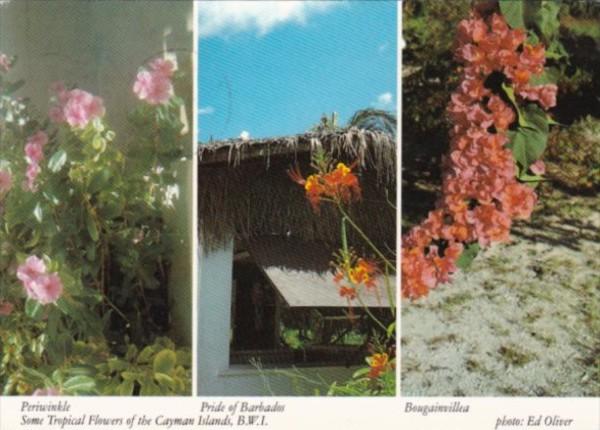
{"points": [[244, 135], [222, 18], [384, 100], [206, 110]]}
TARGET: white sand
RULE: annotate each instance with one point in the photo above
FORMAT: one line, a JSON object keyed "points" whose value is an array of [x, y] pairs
{"points": [[524, 320]]}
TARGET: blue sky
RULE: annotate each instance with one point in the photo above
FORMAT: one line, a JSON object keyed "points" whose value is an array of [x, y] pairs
{"points": [[272, 68]]}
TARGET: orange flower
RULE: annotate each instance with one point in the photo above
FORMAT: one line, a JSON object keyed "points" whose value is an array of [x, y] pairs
{"points": [[378, 363], [339, 184]]}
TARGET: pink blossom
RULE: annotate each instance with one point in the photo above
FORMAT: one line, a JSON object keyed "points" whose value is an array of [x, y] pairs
{"points": [[4, 62], [152, 87], [34, 153], [32, 268], [162, 67], [82, 107], [548, 96], [40, 286], [5, 181], [538, 168], [6, 308], [33, 170], [46, 392], [40, 138], [46, 288]]}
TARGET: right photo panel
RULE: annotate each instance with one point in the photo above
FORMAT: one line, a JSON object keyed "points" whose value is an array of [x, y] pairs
{"points": [[500, 204]]}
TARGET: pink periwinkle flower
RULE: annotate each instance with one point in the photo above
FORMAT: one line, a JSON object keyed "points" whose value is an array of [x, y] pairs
{"points": [[32, 172], [40, 286], [153, 87], [162, 66], [46, 288], [46, 392], [5, 62], [82, 107], [5, 181]]}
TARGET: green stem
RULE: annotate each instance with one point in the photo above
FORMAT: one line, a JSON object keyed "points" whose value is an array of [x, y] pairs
{"points": [[385, 260]]}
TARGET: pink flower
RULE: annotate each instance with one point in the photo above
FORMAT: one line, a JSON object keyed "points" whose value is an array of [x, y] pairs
{"points": [[6, 308], [40, 286], [548, 96], [33, 170], [34, 153], [82, 107], [5, 62], [46, 288], [32, 268], [152, 87], [5, 181], [46, 392], [538, 168], [40, 138], [162, 67]]}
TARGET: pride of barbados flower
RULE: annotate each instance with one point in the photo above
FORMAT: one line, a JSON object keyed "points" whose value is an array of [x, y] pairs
{"points": [[38, 284], [481, 194], [154, 86], [339, 185]]}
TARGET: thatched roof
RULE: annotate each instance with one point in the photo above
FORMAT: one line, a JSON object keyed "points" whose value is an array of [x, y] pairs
{"points": [[244, 190]]}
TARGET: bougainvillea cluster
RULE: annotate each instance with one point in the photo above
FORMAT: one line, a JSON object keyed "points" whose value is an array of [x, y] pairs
{"points": [[481, 195]]}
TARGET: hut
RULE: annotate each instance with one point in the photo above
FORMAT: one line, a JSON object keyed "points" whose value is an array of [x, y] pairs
{"points": [[265, 280]]}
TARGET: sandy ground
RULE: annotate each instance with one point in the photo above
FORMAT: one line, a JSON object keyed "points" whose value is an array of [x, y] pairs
{"points": [[524, 320]]}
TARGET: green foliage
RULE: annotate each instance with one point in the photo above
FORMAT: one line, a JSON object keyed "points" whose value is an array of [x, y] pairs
{"points": [[97, 221], [573, 155], [429, 71]]}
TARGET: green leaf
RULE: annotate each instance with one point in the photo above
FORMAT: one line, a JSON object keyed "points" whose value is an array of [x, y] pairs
{"points": [[145, 355], [528, 143], [164, 380], [33, 309], [547, 18], [468, 255], [91, 227], [513, 12], [79, 384], [100, 180], [57, 161], [126, 388], [510, 93], [164, 361]]}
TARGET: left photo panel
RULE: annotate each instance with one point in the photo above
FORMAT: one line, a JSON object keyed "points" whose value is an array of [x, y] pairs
{"points": [[96, 195]]}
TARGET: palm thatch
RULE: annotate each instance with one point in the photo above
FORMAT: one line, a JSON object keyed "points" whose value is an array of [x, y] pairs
{"points": [[244, 190]]}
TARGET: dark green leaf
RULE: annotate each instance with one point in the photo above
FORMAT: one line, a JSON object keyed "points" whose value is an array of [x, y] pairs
{"points": [[92, 228]]}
